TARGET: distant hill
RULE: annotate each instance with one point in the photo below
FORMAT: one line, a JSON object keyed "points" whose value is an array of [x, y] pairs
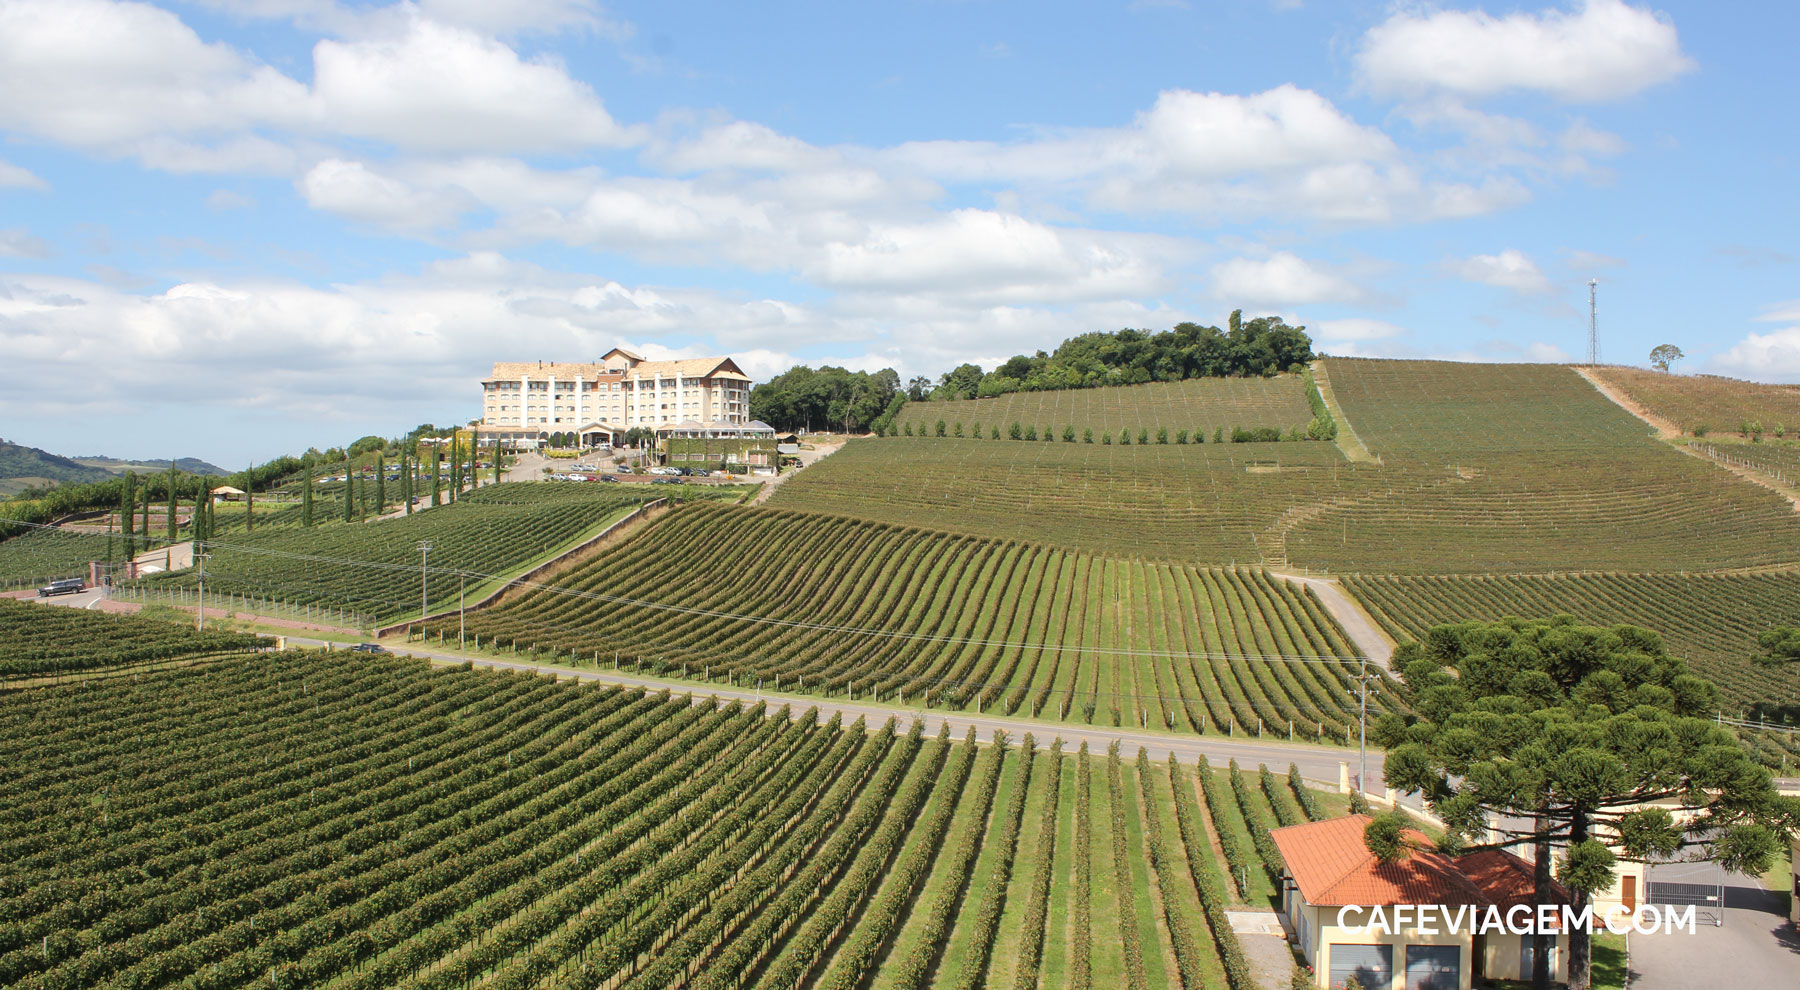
{"points": [[192, 465], [23, 467]]}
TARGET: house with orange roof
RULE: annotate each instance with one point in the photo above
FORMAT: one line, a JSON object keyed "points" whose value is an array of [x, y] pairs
{"points": [[1413, 924]]}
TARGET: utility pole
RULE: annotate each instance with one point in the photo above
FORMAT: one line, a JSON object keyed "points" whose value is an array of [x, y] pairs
{"points": [[200, 613], [1363, 680], [424, 550], [1593, 355]]}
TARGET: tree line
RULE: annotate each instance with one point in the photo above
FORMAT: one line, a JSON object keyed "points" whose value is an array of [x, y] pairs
{"points": [[834, 398]]}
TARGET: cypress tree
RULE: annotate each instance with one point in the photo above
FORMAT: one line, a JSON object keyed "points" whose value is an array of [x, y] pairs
{"points": [[249, 503], [306, 498], [474, 458], [380, 483], [456, 466], [406, 481], [497, 460], [128, 506], [350, 496], [171, 520], [437, 474]]}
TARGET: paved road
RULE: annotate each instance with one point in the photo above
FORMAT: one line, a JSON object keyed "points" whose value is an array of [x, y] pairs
{"points": [[1365, 635], [1756, 947]]}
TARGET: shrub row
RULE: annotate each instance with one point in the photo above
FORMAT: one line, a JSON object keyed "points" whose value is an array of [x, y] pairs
{"points": [[1258, 823], [1206, 878], [1143, 437]]}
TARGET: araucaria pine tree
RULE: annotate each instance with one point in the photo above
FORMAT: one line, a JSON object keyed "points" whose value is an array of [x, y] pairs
{"points": [[1576, 738]]}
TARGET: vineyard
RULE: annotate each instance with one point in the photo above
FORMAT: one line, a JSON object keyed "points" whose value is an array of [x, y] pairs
{"points": [[43, 555], [1710, 620], [1197, 405], [378, 824], [1211, 503], [1543, 473], [827, 604], [373, 568], [38, 639], [1707, 403]]}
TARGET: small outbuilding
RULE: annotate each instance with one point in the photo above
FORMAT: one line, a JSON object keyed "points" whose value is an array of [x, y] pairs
{"points": [[226, 493], [1334, 886]]}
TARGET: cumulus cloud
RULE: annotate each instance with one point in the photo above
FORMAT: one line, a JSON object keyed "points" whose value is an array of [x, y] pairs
{"points": [[1599, 50], [1510, 269], [133, 79], [352, 190], [1282, 279], [1772, 356]]}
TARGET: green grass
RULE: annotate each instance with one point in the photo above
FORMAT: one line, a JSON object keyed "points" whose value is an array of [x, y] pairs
{"points": [[852, 608], [1608, 968], [1198, 404]]}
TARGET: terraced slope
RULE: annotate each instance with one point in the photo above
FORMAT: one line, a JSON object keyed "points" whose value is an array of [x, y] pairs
{"points": [[1195, 405], [1545, 474], [1212, 503], [1711, 620], [562, 836], [1707, 403], [825, 603]]}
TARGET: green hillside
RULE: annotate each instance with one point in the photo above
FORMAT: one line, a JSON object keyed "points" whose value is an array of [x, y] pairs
{"points": [[828, 603], [24, 467], [1479, 468]]}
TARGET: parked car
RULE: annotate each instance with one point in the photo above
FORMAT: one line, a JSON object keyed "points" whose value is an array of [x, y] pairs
{"points": [[65, 586], [666, 481], [368, 648], [702, 474], [608, 477]]}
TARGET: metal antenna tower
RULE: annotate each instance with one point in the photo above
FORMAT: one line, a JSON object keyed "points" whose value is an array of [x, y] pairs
{"points": [[1593, 325]]}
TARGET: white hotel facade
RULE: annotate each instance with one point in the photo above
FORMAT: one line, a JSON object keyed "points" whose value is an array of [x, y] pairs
{"points": [[527, 402]]}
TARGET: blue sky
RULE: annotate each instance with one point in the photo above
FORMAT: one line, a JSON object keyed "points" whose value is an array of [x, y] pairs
{"points": [[233, 229]]}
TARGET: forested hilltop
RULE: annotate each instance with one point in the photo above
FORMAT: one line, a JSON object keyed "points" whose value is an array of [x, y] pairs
{"points": [[840, 399]]}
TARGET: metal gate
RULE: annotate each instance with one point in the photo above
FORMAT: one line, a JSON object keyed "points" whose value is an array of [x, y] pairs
{"points": [[1707, 899]]}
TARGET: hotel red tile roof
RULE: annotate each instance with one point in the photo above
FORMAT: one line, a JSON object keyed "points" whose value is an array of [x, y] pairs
{"points": [[1332, 868]]}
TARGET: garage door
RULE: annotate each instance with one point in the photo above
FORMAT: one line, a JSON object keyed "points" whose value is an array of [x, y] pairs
{"points": [[1371, 965], [1433, 967]]}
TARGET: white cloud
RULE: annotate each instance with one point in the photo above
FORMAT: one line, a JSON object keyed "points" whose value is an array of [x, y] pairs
{"points": [[17, 242], [434, 87], [1282, 279], [1600, 50], [992, 256], [351, 190], [1781, 312], [17, 177], [1510, 269], [133, 79], [1772, 356], [1590, 261]]}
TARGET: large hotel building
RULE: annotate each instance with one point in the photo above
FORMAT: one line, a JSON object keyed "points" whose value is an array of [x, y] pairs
{"points": [[527, 402]]}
